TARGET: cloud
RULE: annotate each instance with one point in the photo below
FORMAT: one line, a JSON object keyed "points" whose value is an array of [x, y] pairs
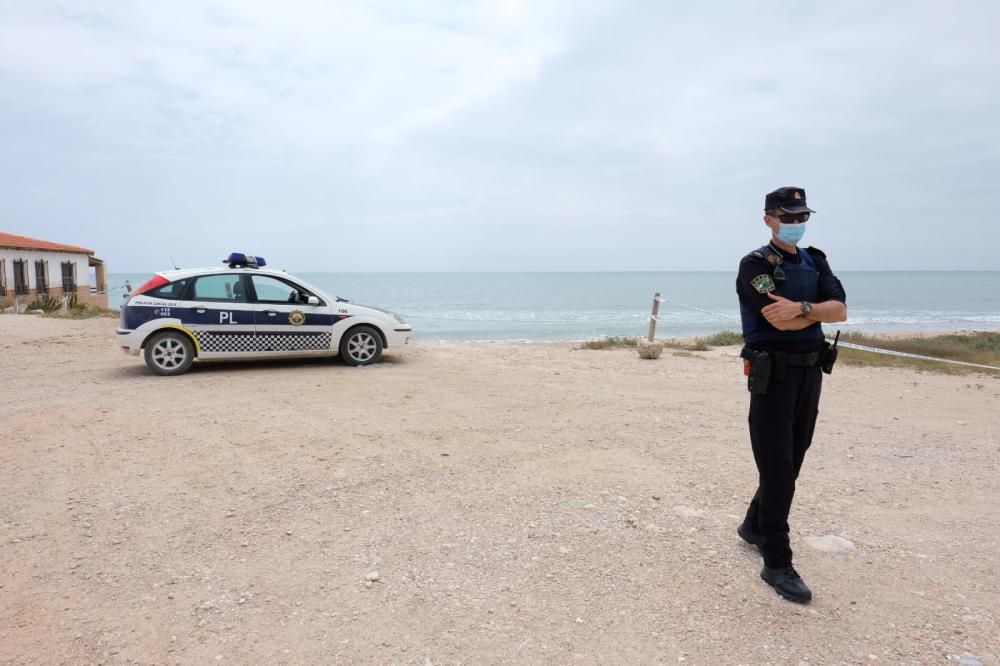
{"points": [[509, 135]]}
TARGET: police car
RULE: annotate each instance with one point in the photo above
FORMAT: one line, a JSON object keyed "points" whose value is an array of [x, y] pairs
{"points": [[248, 311]]}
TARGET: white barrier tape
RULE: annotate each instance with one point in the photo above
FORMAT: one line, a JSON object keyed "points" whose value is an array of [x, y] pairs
{"points": [[919, 357], [851, 345], [693, 307]]}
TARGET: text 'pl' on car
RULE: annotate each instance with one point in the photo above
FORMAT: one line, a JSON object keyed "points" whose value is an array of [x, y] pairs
{"points": [[247, 311]]}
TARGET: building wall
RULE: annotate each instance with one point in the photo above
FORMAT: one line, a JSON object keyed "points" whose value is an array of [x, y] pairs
{"points": [[54, 265]]}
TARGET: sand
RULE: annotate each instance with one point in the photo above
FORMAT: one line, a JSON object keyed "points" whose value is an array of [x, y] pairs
{"points": [[519, 503]]}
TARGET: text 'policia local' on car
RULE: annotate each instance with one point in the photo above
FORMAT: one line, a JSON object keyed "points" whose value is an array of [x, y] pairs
{"points": [[247, 311]]}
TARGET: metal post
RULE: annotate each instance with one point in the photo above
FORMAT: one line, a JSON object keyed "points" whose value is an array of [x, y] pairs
{"points": [[652, 320]]}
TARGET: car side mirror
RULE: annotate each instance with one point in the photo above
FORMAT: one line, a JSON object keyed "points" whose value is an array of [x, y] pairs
{"points": [[312, 300]]}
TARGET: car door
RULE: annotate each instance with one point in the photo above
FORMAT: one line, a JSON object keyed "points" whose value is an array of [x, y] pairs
{"points": [[286, 322], [219, 314]]}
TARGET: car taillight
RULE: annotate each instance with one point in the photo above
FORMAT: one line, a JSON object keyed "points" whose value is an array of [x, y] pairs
{"points": [[152, 283]]}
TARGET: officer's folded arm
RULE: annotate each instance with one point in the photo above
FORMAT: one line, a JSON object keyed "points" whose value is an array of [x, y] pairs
{"points": [[796, 324], [786, 315], [828, 312]]}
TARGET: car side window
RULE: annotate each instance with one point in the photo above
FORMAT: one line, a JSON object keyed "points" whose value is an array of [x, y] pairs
{"points": [[222, 288], [173, 291], [273, 290]]}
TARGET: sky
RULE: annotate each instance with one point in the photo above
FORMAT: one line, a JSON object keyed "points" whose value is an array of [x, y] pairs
{"points": [[536, 135]]}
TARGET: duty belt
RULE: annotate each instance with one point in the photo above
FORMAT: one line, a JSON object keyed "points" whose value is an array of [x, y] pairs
{"points": [[763, 367], [797, 360], [786, 358]]}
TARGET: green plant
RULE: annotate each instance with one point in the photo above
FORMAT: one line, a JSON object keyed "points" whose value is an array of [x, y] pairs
{"points": [[611, 342], [723, 339], [89, 313], [45, 303], [975, 347], [696, 345], [75, 305]]}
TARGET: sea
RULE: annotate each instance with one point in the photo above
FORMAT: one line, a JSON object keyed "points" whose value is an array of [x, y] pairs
{"points": [[577, 306]]}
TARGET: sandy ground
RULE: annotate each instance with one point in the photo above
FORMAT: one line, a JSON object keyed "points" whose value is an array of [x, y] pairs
{"points": [[520, 503]]}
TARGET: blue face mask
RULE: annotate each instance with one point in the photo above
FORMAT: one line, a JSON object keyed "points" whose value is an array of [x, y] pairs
{"points": [[791, 233]]}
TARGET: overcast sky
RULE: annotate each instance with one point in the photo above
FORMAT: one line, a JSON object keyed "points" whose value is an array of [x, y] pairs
{"points": [[423, 136]]}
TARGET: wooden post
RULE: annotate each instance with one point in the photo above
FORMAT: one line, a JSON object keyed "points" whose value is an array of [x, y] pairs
{"points": [[649, 348], [652, 320]]}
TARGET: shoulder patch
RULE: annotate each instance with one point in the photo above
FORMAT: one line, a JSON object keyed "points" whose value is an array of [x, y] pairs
{"points": [[815, 250], [763, 283]]}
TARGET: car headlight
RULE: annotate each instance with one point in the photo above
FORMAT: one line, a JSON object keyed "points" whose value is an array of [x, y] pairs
{"points": [[397, 318]]}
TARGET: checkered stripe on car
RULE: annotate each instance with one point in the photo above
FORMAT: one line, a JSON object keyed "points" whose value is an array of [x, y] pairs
{"points": [[262, 342]]}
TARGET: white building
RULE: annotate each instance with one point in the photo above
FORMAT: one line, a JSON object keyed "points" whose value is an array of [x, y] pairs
{"points": [[30, 267]]}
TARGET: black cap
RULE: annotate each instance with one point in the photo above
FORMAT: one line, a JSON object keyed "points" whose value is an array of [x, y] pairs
{"points": [[788, 199]]}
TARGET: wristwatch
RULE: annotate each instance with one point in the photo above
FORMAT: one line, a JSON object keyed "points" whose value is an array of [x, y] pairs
{"points": [[805, 308]]}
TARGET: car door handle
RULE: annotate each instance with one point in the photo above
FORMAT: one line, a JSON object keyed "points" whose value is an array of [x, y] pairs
{"points": [[270, 313], [200, 310]]}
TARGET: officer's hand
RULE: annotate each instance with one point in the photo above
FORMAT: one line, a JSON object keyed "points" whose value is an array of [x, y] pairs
{"points": [[781, 310]]}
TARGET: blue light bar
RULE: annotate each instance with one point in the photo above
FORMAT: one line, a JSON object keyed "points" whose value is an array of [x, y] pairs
{"points": [[240, 260]]}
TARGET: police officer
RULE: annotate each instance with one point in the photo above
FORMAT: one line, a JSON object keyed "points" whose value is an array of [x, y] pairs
{"points": [[785, 292]]}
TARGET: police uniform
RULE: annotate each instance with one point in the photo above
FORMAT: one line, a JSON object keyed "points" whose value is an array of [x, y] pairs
{"points": [[785, 394]]}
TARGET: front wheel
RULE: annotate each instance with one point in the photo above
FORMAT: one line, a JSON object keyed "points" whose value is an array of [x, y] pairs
{"points": [[361, 345], [169, 353]]}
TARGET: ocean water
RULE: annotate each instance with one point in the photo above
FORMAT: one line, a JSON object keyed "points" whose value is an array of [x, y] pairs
{"points": [[549, 306]]}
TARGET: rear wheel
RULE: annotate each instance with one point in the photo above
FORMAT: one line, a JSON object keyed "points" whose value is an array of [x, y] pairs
{"points": [[361, 345], [169, 353]]}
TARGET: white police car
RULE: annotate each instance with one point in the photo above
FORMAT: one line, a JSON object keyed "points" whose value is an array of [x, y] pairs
{"points": [[247, 311]]}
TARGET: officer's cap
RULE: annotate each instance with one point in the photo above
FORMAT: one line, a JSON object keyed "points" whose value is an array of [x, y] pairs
{"points": [[788, 200]]}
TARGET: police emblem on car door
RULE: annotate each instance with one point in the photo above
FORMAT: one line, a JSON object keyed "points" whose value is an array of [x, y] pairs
{"points": [[220, 314], [286, 321]]}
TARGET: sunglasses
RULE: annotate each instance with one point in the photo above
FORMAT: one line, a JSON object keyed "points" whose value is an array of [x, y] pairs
{"points": [[793, 218]]}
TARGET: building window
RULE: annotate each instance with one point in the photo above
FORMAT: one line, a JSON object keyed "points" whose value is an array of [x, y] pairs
{"points": [[20, 277], [3, 277], [41, 277], [69, 277]]}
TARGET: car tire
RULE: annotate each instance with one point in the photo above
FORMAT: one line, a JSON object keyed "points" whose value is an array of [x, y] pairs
{"points": [[169, 353], [361, 345]]}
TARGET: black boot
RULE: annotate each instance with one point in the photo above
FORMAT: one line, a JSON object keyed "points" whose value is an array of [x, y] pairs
{"points": [[787, 582], [749, 535]]}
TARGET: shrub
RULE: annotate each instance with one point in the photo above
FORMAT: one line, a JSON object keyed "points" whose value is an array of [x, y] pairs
{"points": [[45, 303], [974, 347], [75, 305], [611, 342], [723, 339]]}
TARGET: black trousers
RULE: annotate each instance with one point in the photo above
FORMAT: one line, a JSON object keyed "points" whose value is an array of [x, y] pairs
{"points": [[781, 430]]}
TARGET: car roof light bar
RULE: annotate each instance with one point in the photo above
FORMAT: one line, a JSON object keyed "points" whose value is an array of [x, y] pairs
{"points": [[240, 260]]}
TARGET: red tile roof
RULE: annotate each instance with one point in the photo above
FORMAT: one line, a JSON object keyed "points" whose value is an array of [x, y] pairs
{"points": [[25, 243]]}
